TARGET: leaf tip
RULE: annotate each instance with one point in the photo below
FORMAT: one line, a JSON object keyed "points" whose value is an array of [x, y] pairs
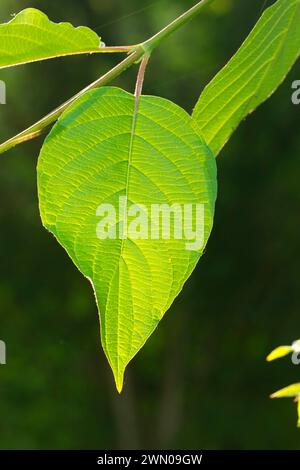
{"points": [[119, 380]]}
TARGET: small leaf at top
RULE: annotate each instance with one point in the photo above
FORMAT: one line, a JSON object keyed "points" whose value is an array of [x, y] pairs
{"points": [[103, 157], [288, 392], [30, 36]]}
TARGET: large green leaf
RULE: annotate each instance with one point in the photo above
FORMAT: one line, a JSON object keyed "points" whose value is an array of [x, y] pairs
{"points": [[31, 36], [252, 75], [101, 150]]}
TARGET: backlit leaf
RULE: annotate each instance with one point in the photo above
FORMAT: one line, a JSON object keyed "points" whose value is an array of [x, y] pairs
{"points": [[101, 150]]}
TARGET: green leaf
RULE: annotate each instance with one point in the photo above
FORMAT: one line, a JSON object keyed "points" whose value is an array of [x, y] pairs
{"points": [[30, 36], [288, 392], [252, 75], [279, 352], [99, 151]]}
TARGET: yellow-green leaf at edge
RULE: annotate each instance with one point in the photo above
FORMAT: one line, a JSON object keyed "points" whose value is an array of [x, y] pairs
{"points": [[279, 352], [99, 151], [282, 351], [30, 36], [292, 391], [252, 75]]}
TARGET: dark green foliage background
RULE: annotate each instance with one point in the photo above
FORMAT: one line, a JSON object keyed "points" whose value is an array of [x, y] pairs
{"points": [[201, 381]]}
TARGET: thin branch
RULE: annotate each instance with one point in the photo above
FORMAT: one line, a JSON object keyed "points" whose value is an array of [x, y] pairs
{"points": [[137, 52]]}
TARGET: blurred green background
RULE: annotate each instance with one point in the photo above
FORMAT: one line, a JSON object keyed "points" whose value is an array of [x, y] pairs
{"points": [[201, 381]]}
